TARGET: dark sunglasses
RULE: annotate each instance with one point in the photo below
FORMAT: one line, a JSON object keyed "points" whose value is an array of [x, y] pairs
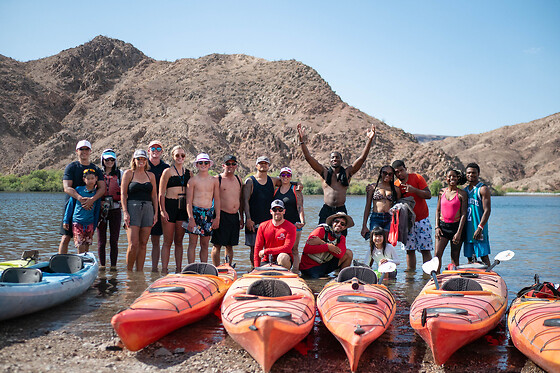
{"points": [[153, 148], [285, 175], [340, 221], [203, 162], [180, 155], [109, 159], [84, 149], [231, 163], [277, 209], [385, 173]]}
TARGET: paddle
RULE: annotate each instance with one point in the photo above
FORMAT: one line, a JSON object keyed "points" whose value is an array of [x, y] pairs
{"points": [[431, 267], [385, 268], [502, 256]]}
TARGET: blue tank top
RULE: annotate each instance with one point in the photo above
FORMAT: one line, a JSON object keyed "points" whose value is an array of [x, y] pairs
{"points": [[260, 200], [474, 214]]}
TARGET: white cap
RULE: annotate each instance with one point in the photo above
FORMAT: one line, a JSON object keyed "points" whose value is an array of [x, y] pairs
{"points": [[286, 169], [83, 143]]}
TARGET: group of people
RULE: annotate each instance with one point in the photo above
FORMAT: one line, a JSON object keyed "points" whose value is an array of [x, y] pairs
{"points": [[158, 199]]}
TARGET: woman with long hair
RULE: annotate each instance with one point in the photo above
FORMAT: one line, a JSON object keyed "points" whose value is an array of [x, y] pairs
{"points": [[110, 209], [140, 205], [451, 216], [382, 197], [173, 207]]}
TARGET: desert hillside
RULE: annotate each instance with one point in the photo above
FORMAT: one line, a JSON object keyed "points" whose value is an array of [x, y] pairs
{"points": [[109, 92]]}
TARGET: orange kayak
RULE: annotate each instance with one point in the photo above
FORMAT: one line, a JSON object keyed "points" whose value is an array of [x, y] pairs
{"points": [[449, 318], [268, 311], [534, 327], [357, 315], [172, 302]]}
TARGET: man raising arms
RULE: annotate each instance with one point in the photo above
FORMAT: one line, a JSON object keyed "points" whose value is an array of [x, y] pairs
{"points": [[231, 216], [336, 178], [275, 238]]}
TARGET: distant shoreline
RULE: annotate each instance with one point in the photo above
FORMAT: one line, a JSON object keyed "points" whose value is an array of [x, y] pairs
{"points": [[531, 194]]}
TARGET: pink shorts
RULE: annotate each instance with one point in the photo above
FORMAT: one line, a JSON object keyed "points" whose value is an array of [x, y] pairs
{"points": [[83, 235]]}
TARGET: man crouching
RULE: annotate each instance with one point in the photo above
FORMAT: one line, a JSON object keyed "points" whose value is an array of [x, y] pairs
{"points": [[275, 238], [325, 249]]}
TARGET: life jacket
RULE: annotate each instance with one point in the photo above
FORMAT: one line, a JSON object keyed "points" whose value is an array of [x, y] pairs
{"points": [[341, 177], [113, 186], [328, 230], [544, 290]]}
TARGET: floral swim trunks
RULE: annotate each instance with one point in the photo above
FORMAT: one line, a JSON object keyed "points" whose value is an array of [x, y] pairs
{"points": [[203, 221], [420, 237], [83, 234]]}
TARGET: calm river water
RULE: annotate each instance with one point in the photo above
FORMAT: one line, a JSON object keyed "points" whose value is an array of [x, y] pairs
{"points": [[528, 225]]}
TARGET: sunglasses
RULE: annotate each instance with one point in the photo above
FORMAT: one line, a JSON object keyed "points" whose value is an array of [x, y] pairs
{"points": [[141, 159], [203, 163], [231, 164], [89, 171], [277, 209], [84, 149], [340, 221], [153, 148], [285, 175], [109, 159], [180, 155], [385, 173]]}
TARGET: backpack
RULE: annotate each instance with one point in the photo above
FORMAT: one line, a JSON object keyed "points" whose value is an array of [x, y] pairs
{"points": [[540, 290]]}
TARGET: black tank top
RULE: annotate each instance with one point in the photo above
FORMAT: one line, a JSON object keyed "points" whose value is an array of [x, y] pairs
{"points": [[260, 200], [290, 203], [177, 181], [140, 191]]}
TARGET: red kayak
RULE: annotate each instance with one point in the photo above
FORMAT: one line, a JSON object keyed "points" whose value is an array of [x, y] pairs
{"points": [[356, 310], [173, 302]]}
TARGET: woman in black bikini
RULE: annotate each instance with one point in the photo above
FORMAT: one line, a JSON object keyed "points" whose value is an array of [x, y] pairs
{"points": [[173, 206], [139, 204], [383, 195]]}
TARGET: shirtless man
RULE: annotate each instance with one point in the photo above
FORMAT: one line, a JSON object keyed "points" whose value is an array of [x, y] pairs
{"points": [[204, 216], [231, 216], [336, 178], [157, 166]]}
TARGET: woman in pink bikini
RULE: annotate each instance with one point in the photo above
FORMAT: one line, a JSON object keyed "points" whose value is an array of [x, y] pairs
{"points": [[451, 215]]}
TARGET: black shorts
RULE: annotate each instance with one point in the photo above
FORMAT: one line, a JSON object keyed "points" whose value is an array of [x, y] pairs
{"points": [[227, 233], [156, 229], [321, 270], [173, 212], [448, 230], [327, 211]]}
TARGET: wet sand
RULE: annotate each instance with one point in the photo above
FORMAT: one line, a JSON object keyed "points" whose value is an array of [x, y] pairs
{"points": [[77, 336]]}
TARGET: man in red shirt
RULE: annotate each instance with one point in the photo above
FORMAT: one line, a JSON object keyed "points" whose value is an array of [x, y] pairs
{"points": [[420, 236], [325, 249], [275, 238]]}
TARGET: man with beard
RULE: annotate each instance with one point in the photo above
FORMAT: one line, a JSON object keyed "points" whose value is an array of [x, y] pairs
{"points": [[336, 178]]}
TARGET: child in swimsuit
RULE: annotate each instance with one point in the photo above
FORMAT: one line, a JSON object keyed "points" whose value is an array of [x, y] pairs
{"points": [[83, 221]]}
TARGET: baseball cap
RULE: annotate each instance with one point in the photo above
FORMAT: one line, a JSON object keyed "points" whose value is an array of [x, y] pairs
{"points": [[277, 203], [140, 153], [83, 143], [154, 142], [286, 169], [262, 159], [230, 158]]}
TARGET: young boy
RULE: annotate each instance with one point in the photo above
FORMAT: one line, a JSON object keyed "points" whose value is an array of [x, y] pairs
{"points": [[203, 207], [83, 221]]}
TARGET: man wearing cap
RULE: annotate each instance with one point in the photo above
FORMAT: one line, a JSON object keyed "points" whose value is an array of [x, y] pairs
{"points": [[275, 238], [231, 214], [336, 178], [203, 207], [325, 249], [74, 177], [157, 166]]}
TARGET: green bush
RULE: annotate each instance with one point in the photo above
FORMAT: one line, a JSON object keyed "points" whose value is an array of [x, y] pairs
{"points": [[36, 181], [358, 187], [498, 191], [435, 187], [311, 186]]}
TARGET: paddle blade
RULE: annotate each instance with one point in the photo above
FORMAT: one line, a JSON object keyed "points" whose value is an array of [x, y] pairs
{"points": [[431, 265], [387, 267], [503, 256]]}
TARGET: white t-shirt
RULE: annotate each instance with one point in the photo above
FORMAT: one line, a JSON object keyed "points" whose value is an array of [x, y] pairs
{"points": [[390, 255]]}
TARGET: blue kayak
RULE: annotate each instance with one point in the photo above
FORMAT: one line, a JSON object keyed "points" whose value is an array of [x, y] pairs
{"points": [[47, 284]]}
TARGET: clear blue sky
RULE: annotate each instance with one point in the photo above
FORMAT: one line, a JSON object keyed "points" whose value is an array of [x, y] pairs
{"points": [[447, 67]]}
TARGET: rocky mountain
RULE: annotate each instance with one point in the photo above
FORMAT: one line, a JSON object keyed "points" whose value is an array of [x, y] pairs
{"points": [[112, 94], [428, 138]]}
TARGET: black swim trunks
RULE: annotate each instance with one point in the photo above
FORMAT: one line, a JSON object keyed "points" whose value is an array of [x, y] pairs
{"points": [[227, 233]]}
